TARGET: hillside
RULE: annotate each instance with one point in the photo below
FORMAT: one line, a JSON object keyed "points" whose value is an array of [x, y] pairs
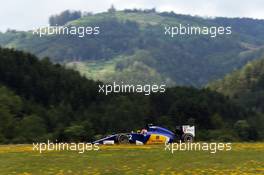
{"points": [[132, 48], [246, 85], [40, 100], [246, 88]]}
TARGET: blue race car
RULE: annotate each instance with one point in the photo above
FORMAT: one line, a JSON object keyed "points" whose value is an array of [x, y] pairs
{"points": [[151, 135]]}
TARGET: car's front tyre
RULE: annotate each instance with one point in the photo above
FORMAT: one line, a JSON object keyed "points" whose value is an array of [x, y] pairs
{"points": [[122, 139]]}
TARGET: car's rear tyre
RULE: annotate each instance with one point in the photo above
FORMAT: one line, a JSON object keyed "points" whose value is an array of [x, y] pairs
{"points": [[187, 138], [123, 139]]}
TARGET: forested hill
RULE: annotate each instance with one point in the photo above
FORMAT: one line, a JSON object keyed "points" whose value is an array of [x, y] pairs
{"points": [[40, 100], [132, 47], [246, 85]]}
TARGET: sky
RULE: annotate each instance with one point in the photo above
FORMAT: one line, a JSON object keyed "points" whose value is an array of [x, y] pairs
{"points": [[28, 14]]}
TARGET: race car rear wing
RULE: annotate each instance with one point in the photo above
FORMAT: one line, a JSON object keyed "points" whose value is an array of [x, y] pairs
{"points": [[187, 129]]}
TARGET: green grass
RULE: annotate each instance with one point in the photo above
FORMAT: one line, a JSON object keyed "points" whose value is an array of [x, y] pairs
{"points": [[247, 158], [143, 19], [135, 71], [96, 70]]}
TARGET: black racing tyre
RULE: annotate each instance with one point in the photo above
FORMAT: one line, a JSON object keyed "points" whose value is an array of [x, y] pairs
{"points": [[123, 139], [187, 138]]}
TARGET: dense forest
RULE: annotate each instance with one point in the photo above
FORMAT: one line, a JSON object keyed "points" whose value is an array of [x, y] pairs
{"points": [[132, 47], [40, 100], [245, 86]]}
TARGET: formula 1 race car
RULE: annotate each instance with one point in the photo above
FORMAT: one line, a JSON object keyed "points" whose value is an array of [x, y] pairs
{"points": [[151, 135]]}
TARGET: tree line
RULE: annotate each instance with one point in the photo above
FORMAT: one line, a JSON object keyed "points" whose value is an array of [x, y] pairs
{"points": [[40, 100]]}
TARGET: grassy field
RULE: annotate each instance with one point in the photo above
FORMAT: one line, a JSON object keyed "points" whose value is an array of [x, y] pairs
{"points": [[244, 158]]}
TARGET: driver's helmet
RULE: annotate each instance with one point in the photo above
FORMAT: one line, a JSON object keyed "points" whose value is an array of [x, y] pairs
{"points": [[144, 131]]}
